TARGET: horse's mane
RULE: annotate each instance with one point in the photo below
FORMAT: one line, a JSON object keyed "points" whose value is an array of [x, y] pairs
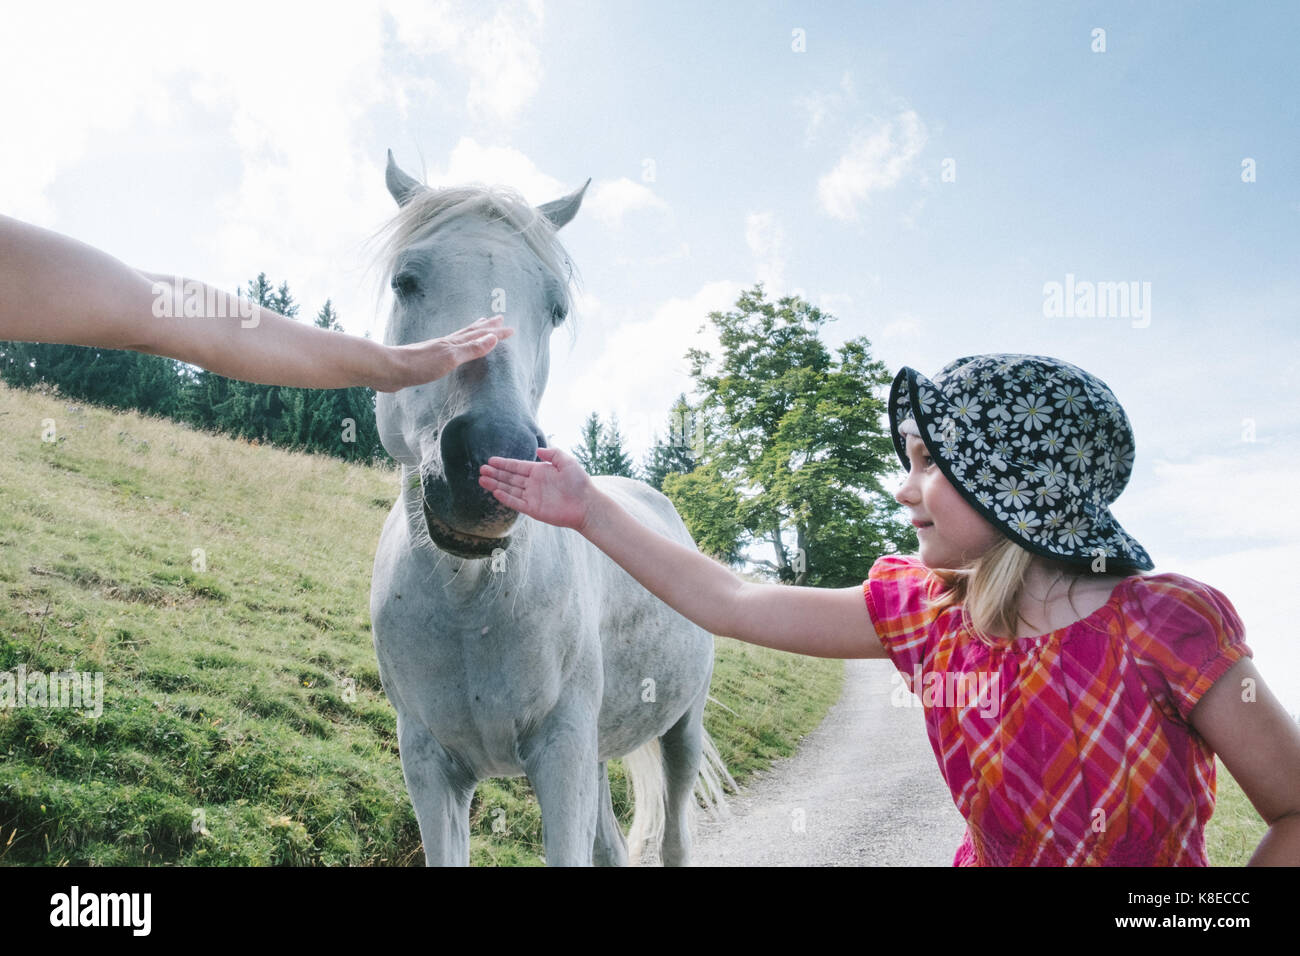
{"points": [[428, 209]]}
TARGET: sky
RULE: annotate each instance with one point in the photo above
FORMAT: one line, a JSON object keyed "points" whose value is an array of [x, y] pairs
{"points": [[925, 172]]}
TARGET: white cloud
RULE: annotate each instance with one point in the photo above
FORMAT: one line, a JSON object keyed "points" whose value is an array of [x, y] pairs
{"points": [[308, 185], [291, 101], [102, 76], [825, 106], [402, 86], [901, 327], [681, 251], [288, 115], [634, 369], [836, 303], [472, 162], [873, 162], [908, 218], [1227, 520], [609, 201], [499, 54], [1253, 580], [1227, 497], [766, 241]]}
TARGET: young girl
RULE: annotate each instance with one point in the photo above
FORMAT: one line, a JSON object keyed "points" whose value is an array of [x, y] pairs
{"points": [[1104, 692]]}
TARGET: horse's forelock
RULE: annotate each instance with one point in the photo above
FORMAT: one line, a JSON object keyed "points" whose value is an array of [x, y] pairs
{"points": [[429, 209]]}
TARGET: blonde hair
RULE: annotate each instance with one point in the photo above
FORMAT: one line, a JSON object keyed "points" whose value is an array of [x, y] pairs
{"points": [[989, 589]]}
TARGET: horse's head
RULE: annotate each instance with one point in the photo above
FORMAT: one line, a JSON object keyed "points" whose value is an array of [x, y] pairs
{"points": [[453, 255]]}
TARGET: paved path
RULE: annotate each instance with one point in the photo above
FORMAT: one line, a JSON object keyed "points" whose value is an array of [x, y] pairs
{"points": [[864, 785]]}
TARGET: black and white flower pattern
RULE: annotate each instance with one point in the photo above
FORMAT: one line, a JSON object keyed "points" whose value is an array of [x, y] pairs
{"points": [[1039, 446]]}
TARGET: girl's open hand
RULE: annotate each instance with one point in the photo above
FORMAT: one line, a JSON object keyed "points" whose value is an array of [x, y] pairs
{"points": [[555, 490]]}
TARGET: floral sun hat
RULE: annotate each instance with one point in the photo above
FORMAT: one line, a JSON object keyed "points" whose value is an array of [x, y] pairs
{"points": [[1036, 445]]}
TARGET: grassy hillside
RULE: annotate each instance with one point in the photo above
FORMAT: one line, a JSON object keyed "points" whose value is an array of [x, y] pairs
{"points": [[1235, 830], [222, 589]]}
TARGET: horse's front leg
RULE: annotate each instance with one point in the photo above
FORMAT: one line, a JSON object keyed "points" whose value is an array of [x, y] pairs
{"points": [[560, 759], [440, 791]]}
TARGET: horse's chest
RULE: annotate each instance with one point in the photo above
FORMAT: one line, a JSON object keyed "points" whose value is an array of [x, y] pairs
{"points": [[480, 685]]}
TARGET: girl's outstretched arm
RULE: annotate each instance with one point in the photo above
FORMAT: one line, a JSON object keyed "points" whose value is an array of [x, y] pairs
{"points": [[820, 622], [1259, 743], [56, 289]]}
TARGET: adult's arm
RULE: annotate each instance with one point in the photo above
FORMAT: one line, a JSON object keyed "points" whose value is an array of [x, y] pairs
{"points": [[57, 289]]}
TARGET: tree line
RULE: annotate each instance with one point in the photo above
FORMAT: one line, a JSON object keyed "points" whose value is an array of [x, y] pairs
{"points": [[338, 422], [778, 463]]}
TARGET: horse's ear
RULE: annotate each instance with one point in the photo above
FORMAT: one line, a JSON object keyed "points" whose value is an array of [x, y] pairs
{"points": [[401, 186], [560, 211]]}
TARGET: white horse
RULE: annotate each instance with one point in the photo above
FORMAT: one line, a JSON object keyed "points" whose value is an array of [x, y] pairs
{"points": [[508, 646]]}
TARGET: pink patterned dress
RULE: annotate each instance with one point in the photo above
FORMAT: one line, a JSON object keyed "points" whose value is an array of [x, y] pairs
{"points": [[1074, 747]]}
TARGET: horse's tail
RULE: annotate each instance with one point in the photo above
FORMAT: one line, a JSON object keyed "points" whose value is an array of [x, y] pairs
{"points": [[713, 775], [645, 776]]}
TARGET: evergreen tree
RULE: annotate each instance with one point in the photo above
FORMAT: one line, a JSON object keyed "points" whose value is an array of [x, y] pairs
{"points": [[601, 451], [282, 302], [327, 318], [677, 455], [358, 404], [155, 384], [588, 453], [246, 409], [612, 459], [260, 291], [113, 377], [338, 422]]}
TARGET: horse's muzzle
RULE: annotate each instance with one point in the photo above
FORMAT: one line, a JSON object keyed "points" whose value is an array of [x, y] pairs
{"points": [[460, 543]]}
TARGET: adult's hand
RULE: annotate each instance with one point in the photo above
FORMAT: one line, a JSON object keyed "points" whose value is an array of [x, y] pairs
{"points": [[432, 359]]}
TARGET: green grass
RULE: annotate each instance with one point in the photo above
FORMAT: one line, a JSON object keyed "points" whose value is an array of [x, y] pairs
{"points": [[1234, 832], [244, 722], [223, 590]]}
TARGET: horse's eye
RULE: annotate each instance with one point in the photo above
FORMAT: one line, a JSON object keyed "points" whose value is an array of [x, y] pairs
{"points": [[406, 284], [558, 313]]}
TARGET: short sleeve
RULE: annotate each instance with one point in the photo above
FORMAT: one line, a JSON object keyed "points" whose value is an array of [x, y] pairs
{"points": [[898, 592], [1184, 635]]}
